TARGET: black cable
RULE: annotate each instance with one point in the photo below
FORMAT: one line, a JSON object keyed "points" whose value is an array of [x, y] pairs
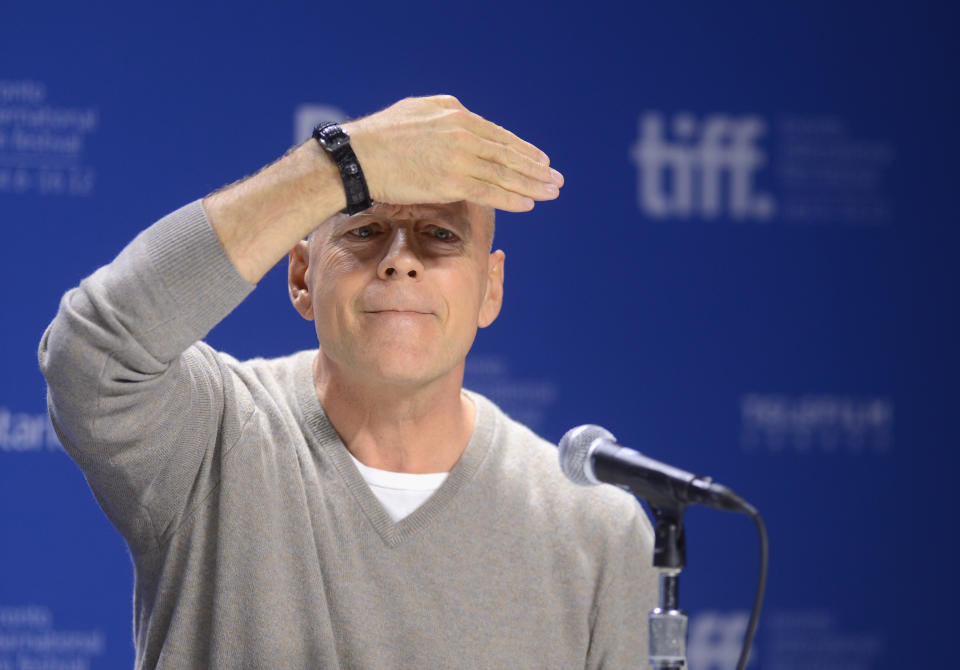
{"points": [[761, 586]]}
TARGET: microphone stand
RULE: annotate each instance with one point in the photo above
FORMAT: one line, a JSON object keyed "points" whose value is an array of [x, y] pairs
{"points": [[590, 455], [668, 623]]}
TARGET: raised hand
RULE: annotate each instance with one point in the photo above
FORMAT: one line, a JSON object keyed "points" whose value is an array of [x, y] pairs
{"points": [[435, 150]]}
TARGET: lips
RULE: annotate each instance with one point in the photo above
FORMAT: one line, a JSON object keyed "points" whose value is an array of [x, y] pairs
{"points": [[385, 299], [401, 302], [397, 310]]}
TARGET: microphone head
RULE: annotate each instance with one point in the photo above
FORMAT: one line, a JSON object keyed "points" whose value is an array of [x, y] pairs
{"points": [[575, 452]]}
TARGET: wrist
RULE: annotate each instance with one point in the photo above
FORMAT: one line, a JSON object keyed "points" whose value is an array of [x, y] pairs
{"points": [[321, 174], [259, 219], [333, 139]]}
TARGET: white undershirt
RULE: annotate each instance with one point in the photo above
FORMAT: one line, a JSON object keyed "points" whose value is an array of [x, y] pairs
{"points": [[400, 493]]}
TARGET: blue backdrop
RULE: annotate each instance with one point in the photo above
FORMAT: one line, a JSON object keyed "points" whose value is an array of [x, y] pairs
{"points": [[749, 273]]}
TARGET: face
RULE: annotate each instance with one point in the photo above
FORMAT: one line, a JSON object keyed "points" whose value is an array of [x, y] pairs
{"points": [[397, 292]]}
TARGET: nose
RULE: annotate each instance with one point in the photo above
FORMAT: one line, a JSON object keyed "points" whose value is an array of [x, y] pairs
{"points": [[400, 260]]}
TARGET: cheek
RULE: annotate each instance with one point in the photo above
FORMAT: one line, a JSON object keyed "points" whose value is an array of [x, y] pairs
{"points": [[334, 280], [464, 301]]}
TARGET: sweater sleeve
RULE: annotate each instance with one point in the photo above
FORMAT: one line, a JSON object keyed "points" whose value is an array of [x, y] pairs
{"points": [[628, 591], [136, 400]]}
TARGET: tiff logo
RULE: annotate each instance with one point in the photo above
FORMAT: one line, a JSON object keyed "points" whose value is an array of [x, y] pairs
{"points": [[707, 170]]}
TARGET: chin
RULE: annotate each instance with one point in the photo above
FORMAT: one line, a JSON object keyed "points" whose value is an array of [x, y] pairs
{"points": [[405, 369], [402, 378]]}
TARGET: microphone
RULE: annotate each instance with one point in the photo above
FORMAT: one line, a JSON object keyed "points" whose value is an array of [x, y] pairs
{"points": [[590, 455]]}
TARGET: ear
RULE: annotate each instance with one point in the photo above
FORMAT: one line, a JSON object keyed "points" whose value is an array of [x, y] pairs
{"points": [[493, 297], [299, 258]]}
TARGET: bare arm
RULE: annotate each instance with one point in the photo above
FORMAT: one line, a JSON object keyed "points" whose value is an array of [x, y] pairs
{"points": [[419, 150], [260, 218]]}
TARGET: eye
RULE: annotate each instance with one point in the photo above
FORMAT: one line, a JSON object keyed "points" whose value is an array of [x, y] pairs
{"points": [[441, 234], [364, 232]]}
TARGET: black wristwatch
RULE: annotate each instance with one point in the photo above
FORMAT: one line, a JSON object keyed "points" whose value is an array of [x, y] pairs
{"points": [[335, 140]]}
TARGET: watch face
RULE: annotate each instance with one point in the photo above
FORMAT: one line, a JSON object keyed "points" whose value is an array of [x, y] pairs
{"points": [[333, 137]]}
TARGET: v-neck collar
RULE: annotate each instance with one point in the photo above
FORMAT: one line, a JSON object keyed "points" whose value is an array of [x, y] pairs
{"points": [[324, 438]]}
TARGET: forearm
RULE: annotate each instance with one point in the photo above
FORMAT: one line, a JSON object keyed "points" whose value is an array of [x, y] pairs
{"points": [[259, 219]]}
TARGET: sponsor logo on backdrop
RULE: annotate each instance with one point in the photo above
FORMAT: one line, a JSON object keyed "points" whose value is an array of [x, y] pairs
{"points": [[802, 639], [526, 400], [791, 640], [816, 423], [29, 640], [22, 432], [811, 168], [42, 145], [715, 640], [308, 115], [706, 170]]}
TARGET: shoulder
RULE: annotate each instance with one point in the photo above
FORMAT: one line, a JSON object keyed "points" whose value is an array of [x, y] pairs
{"points": [[529, 471], [257, 382], [285, 371], [282, 371]]}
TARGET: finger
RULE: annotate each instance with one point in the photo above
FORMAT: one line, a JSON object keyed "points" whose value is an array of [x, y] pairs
{"points": [[499, 153], [491, 195], [446, 101], [511, 180], [495, 133]]}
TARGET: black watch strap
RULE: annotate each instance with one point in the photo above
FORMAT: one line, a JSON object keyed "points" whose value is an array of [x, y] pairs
{"points": [[335, 140]]}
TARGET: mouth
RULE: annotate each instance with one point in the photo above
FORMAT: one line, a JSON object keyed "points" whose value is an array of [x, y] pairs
{"points": [[398, 311]]}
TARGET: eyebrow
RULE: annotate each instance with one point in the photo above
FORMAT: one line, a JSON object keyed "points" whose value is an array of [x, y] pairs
{"points": [[461, 220]]}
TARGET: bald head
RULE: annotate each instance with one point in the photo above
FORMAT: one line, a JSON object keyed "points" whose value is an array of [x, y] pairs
{"points": [[488, 217]]}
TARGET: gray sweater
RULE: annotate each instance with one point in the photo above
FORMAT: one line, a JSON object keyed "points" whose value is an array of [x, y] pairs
{"points": [[256, 542]]}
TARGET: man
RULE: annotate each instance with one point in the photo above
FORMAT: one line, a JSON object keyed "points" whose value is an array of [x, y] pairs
{"points": [[352, 506]]}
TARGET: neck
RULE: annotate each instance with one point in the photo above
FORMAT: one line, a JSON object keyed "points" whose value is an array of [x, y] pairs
{"points": [[401, 428]]}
